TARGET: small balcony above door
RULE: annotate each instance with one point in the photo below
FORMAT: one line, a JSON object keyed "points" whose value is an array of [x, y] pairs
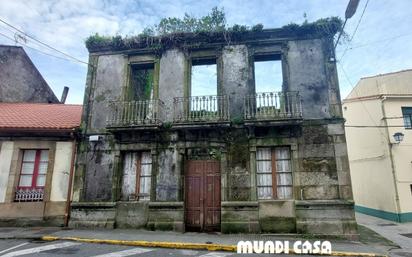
{"points": [[201, 110], [144, 113], [273, 106]]}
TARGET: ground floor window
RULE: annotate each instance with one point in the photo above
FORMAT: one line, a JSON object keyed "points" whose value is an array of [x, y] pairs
{"points": [[137, 176], [32, 175], [274, 173]]}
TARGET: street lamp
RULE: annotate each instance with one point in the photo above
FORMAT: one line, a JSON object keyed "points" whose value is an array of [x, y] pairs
{"points": [[398, 136], [350, 11]]}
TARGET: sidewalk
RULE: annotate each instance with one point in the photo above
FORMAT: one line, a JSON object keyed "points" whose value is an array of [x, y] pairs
{"points": [[399, 233], [380, 247]]}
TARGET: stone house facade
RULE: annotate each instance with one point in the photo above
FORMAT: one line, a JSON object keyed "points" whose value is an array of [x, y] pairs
{"points": [[20, 81], [155, 155]]}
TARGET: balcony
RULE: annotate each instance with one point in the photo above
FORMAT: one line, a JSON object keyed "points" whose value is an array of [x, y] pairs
{"points": [[273, 106], [201, 109], [136, 113]]}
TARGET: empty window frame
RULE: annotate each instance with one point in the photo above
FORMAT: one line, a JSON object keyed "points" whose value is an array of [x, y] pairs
{"points": [[274, 173], [141, 81], [137, 176], [32, 175], [407, 117], [268, 73], [203, 77]]}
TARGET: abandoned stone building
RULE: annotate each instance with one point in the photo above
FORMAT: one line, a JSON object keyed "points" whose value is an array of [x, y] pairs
{"points": [[180, 133], [20, 81]]}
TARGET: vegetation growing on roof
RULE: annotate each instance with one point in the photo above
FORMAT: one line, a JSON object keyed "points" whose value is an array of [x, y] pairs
{"points": [[325, 26], [192, 32]]}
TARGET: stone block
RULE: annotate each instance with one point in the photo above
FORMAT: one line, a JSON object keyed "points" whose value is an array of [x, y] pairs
{"points": [[239, 217], [341, 150], [336, 129], [317, 178], [321, 192], [132, 214], [92, 215], [316, 151], [315, 134], [333, 217], [319, 164], [278, 224], [166, 216]]}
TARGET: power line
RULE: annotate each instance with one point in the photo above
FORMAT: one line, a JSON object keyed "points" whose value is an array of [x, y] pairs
{"points": [[377, 41], [44, 44], [25, 45], [356, 28], [363, 104]]}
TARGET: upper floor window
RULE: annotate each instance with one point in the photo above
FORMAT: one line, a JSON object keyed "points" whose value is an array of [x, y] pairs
{"points": [[204, 77], [32, 175], [274, 173], [141, 81], [268, 73], [137, 175], [407, 117]]}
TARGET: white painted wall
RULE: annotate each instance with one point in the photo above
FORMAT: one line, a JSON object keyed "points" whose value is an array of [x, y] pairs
{"points": [[6, 154], [402, 152], [61, 171], [368, 152]]}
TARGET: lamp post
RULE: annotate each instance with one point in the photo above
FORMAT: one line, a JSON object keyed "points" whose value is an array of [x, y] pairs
{"points": [[350, 11]]}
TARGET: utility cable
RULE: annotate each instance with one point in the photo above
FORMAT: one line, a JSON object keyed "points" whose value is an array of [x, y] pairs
{"points": [[44, 44]]}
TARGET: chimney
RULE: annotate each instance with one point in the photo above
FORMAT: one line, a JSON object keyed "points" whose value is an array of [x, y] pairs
{"points": [[64, 95]]}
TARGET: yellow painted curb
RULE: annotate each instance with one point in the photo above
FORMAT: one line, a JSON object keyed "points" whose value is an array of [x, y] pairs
{"points": [[191, 246]]}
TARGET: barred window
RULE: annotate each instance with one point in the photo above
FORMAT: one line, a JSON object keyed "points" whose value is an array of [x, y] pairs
{"points": [[274, 173], [137, 176]]}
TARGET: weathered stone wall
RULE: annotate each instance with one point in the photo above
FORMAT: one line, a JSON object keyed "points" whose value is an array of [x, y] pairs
{"points": [[20, 81], [319, 159], [168, 176], [171, 79], [237, 75], [108, 84], [306, 61]]}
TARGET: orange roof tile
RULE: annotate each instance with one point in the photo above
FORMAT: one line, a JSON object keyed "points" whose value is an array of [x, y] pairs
{"points": [[39, 116]]}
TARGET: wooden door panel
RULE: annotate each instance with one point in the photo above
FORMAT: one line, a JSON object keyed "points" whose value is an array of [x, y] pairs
{"points": [[194, 206], [202, 186]]}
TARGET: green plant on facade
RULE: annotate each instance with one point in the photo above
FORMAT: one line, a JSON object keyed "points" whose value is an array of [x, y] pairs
{"points": [[172, 32]]}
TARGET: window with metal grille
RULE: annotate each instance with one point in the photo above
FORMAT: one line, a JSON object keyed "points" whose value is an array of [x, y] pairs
{"points": [[407, 117], [137, 176], [32, 175], [274, 173]]}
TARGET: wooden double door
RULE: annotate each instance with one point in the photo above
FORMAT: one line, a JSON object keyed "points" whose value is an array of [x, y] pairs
{"points": [[202, 195]]}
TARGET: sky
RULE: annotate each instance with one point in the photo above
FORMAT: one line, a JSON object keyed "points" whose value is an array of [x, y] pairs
{"points": [[380, 45]]}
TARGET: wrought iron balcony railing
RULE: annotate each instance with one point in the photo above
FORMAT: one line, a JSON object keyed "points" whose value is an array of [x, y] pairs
{"points": [[136, 113], [29, 195], [273, 106], [201, 109]]}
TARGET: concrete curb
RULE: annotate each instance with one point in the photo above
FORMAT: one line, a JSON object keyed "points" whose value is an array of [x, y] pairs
{"points": [[189, 246]]}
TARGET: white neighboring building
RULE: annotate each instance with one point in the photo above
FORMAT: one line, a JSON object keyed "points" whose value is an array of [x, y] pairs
{"points": [[381, 168]]}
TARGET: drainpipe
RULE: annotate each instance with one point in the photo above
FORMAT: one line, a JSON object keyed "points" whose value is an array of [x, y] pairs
{"points": [[395, 179], [69, 190]]}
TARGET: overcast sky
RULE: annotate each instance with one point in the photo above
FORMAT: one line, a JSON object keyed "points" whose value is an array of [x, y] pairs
{"points": [[382, 43]]}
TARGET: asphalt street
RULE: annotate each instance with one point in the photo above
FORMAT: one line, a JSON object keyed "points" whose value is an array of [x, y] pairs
{"points": [[10, 247]]}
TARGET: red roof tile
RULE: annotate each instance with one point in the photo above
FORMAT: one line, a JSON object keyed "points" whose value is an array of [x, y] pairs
{"points": [[38, 116]]}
